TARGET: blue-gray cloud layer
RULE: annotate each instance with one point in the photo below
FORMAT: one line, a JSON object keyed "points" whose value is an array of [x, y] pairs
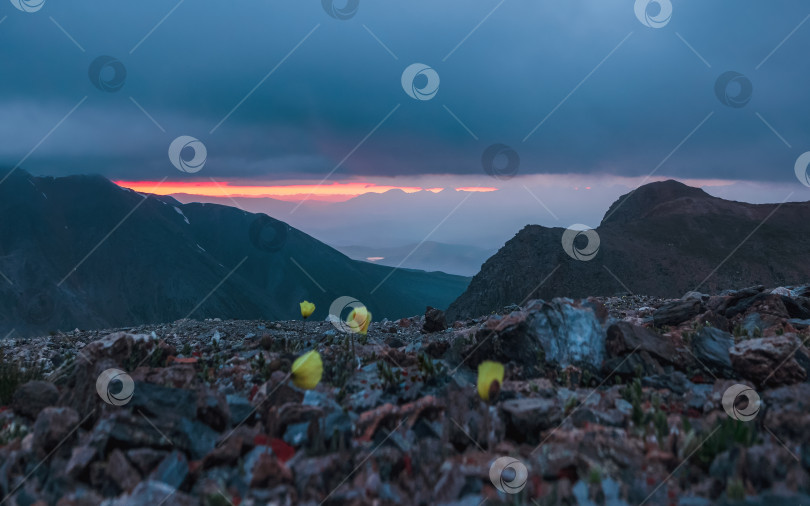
{"points": [[517, 68]]}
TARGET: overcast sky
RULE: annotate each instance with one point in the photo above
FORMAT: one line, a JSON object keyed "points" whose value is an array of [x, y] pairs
{"points": [[610, 95]]}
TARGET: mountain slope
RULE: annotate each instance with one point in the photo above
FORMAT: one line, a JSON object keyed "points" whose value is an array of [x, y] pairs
{"points": [[427, 256], [164, 260], [663, 239]]}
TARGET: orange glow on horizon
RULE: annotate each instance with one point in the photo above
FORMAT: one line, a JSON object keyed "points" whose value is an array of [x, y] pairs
{"points": [[482, 189], [334, 192]]}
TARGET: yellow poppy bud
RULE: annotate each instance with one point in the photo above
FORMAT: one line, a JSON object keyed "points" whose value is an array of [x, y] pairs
{"points": [[359, 320], [307, 370], [307, 308], [490, 378]]}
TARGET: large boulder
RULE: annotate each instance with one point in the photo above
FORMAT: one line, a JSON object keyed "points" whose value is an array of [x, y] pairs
{"points": [[771, 361], [563, 332], [677, 312], [710, 347], [33, 397], [647, 350], [526, 418]]}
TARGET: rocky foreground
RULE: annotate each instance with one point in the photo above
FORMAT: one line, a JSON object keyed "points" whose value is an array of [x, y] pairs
{"points": [[606, 401]]}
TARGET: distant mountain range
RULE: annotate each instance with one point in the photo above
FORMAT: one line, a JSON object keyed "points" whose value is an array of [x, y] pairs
{"points": [[428, 256], [663, 239], [80, 251]]}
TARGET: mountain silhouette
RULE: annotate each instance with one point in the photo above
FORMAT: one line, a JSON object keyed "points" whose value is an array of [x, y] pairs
{"points": [[79, 251], [662, 239]]}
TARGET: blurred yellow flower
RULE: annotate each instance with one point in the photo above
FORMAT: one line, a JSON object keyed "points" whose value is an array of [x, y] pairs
{"points": [[490, 378], [307, 370], [359, 320], [307, 308]]}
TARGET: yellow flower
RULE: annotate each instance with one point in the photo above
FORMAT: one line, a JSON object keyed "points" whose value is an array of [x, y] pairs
{"points": [[307, 370], [490, 377], [307, 308], [359, 320]]}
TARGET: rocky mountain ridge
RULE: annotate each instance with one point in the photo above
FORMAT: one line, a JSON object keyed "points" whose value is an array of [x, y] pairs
{"points": [[662, 239], [613, 401], [80, 251]]}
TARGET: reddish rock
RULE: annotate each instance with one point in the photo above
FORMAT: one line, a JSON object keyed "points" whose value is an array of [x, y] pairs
{"points": [[80, 459], [770, 361], [33, 397], [121, 471], [54, 426], [434, 320]]}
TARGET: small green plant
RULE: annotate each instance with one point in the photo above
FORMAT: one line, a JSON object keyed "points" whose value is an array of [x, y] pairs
{"points": [[261, 367], [661, 427], [15, 373], [186, 351], [757, 332], [724, 435], [11, 432], [595, 476], [586, 377], [158, 357], [429, 369], [390, 377], [217, 500], [571, 404], [633, 394], [735, 490]]}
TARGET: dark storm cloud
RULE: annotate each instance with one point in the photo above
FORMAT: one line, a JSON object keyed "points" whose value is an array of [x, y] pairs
{"points": [[633, 111]]}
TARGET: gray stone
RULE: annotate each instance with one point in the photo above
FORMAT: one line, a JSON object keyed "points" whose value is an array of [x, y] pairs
{"points": [[162, 401], [172, 470], [526, 418], [710, 346], [54, 426], [677, 312], [33, 397]]}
